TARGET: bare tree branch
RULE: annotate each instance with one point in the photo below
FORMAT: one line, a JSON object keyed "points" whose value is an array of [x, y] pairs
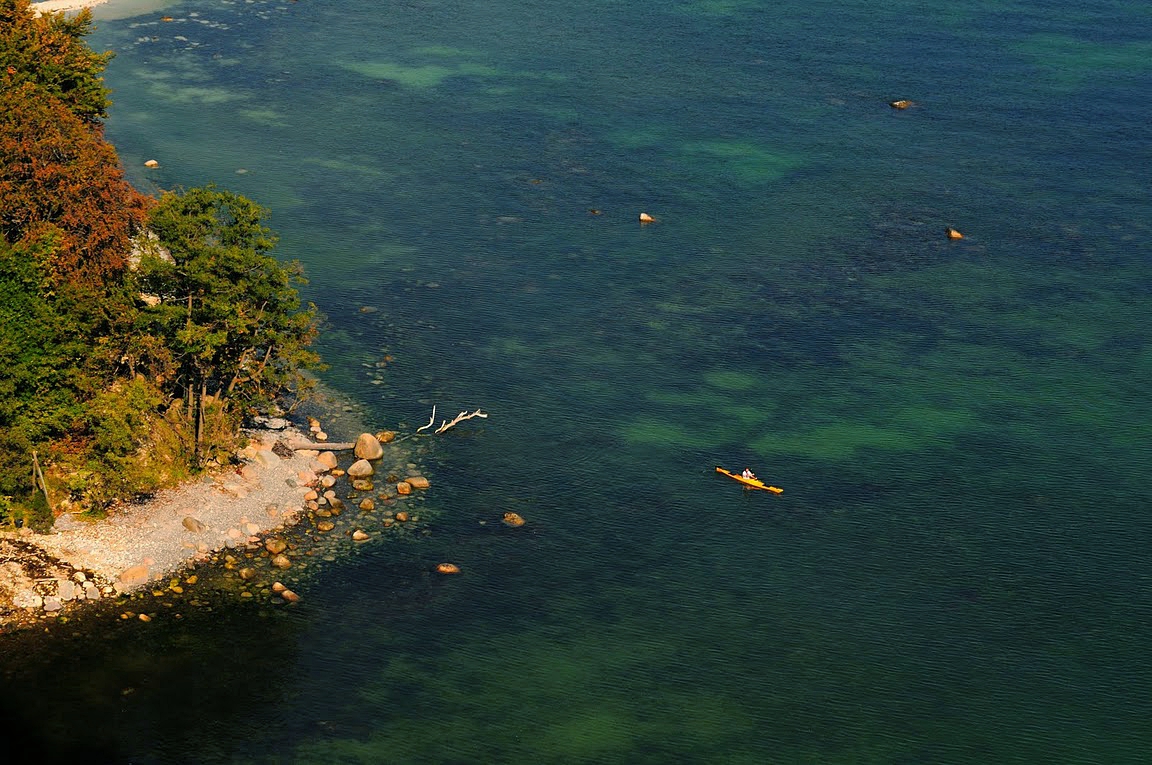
{"points": [[458, 419], [431, 420]]}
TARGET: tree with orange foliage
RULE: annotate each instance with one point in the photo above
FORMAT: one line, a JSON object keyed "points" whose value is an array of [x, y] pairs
{"points": [[58, 174], [49, 51]]}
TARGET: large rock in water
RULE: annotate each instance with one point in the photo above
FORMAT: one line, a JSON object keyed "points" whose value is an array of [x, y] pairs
{"points": [[360, 469], [368, 447]]}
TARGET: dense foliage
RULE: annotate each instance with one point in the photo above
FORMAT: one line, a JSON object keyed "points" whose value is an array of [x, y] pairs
{"points": [[134, 332]]}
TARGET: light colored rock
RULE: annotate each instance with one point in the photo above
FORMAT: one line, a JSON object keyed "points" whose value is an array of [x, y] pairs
{"points": [[386, 436], [306, 478], [328, 481], [251, 529], [151, 163], [275, 545], [367, 505], [368, 447], [235, 490], [195, 525], [328, 459], [271, 423], [281, 561], [65, 590], [53, 604], [359, 535], [278, 587], [267, 458], [135, 575], [417, 482], [27, 599], [289, 596], [403, 488], [361, 468]]}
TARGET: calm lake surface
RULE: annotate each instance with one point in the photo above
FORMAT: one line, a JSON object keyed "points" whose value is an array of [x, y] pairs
{"points": [[958, 569]]}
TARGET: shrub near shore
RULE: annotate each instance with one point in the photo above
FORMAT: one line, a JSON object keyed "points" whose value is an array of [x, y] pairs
{"points": [[120, 379]]}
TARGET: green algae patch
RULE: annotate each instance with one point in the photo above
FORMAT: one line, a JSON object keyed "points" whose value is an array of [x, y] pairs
{"points": [[1070, 62], [591, 732], [657, 432], [269, 117], [741, 161], [421, 77], [731, 380], [833, 442]]}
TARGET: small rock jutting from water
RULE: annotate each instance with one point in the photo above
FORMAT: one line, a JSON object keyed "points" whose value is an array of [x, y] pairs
{"points": [[646, 218], [281, 561], [402, 516], [289, 596], [278, 587], [275, 546], [417, 482], [447, 568], [403, 487], [368, 447], [900, 105], [151, 163], [359, 535], [513, 520], [325, 526], [953, 233]]}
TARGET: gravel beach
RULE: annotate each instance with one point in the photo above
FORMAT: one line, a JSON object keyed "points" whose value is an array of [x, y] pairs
{"points": [[139, 543]]}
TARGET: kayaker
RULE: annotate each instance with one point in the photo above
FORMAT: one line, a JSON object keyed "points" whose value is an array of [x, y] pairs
{"points": [[749, 474]]}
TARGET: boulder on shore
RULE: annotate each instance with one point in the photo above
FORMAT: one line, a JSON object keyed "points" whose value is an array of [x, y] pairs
{"points": [[195, 525], [368, 447], [135, 575]]}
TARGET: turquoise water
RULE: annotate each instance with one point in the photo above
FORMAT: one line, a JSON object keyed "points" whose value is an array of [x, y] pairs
{"points": [[957, 571]]}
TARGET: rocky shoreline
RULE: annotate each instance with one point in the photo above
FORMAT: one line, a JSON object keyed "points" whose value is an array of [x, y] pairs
{"points": [[281, 477]]}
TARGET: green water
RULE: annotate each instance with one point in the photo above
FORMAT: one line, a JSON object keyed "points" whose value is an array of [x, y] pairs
{"points": [[957, 571]]}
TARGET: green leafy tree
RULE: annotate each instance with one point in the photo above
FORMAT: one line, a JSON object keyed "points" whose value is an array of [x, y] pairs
{"points": [[227, 311]]}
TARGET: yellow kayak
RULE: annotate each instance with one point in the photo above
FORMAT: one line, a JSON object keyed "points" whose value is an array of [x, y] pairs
{"points": [[751, 483]]}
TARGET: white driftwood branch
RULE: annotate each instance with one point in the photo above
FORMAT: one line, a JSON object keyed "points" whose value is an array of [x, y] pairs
{"points": [[431, 420], [458, 419]]}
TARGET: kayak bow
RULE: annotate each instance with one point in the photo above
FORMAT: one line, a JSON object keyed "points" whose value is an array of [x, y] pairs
{"points": [[751, 483]]}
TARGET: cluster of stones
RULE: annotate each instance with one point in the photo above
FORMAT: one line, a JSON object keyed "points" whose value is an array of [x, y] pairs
{"points": [[51, 594]]}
